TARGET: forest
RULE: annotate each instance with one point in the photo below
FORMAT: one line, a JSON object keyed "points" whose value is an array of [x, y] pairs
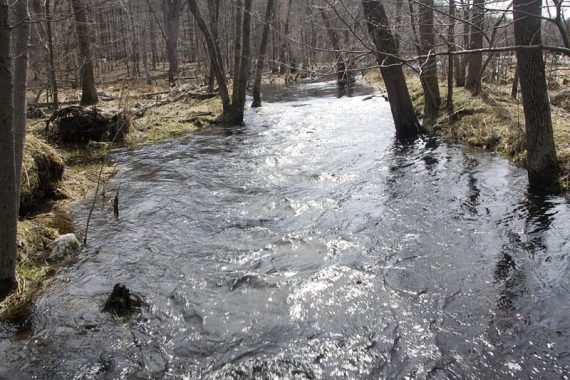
{"points": [[371, 175]]}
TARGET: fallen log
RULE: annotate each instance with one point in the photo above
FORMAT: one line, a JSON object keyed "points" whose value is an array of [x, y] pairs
{"points": [[78, 125]]}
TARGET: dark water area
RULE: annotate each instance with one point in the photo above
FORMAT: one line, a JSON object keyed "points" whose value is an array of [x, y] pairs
{"points": [[309, 244]]}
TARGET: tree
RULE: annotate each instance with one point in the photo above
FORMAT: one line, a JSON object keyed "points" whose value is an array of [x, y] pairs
{"points": [[284, 42], [428, 73], [473, 80], [460, 62], [215, 56], [261, 55], [214, 15], [233, 109], [8, 205], [243, 73], [450, 60], [172, 20], [13, 79], [88, 89], [52, 75], [542, 163], [344, 76], [405, 119]]}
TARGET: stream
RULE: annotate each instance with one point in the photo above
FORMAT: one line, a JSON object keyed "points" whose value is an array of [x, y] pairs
{"points": [[310, 244]]}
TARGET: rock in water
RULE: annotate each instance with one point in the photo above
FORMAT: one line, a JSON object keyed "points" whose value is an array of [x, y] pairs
{"points": [[121, 302], [63, 247]]}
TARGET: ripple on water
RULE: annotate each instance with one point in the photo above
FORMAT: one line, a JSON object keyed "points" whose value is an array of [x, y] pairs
{"points": [[309, 244]]}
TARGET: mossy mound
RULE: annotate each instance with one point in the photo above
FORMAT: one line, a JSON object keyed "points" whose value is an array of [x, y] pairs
{"points": [[42, 170]]}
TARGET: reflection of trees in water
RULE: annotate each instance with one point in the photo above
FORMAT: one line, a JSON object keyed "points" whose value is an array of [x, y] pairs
{"points": [[344, 91], [509, 273], [473, 193], [407, 154]]}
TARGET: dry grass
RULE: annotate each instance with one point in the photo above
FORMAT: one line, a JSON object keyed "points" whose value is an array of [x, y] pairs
{"points": [[492, 121], [80, 177]]}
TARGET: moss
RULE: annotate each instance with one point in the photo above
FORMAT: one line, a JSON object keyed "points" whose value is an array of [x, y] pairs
{"points": [[167, 130], [32, 269], [42, 171]]}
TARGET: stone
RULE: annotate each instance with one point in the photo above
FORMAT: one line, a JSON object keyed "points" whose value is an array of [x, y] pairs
{"points": [[63, 247], [122, 301]]}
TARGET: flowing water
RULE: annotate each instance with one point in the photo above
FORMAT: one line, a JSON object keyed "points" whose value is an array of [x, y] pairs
{"points": [[309, 244]]}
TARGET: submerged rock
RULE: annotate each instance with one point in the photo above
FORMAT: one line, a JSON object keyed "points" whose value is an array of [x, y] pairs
{"points": [[121, 302], [63, 247]]}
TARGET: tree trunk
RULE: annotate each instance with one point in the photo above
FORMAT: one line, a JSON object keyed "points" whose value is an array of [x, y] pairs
{"points": [[473, 80], [541, 162], [405, 119], [450, 60], [285, 42], [22, 36], [398, 23], [8, 201], [153, 48], [261, 56], [237, 49], [428, 75], [461, 61], [515, 86], [88, 89], [144, 43], [243, 74], [172, 21], [215, 57], [52, 76], [344, 76], [214, 15]]}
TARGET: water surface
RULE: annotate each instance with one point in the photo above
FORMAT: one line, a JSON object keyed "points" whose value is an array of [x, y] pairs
{"points": [[309, 244]]}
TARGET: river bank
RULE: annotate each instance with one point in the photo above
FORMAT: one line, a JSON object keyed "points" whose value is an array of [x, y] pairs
{"points": [[48, 217], [493, 121]]}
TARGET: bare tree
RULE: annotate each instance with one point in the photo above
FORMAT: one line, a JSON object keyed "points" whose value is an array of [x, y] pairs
{"points": [[12, 131], [542, 163], [8, 207], [450, 60], [172, 21], [261, 55], [473, 80], [215, 57], [243, 73], [22, 36], [88, 89], [344, 76], [405, 119], [52, 75], [214, 15], [428, 73]]}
